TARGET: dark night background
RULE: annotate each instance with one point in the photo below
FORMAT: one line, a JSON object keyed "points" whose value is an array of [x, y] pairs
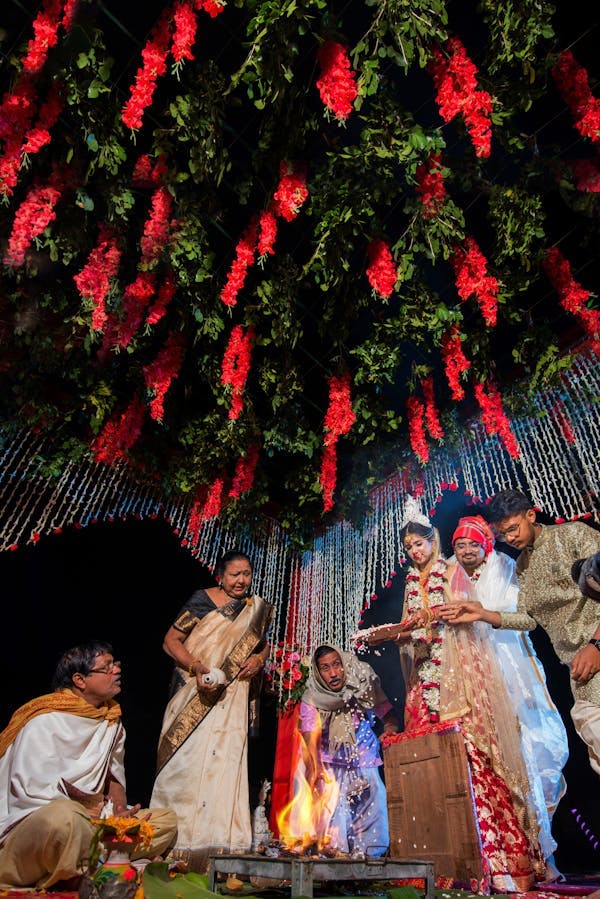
{"points": [[125, 582]]}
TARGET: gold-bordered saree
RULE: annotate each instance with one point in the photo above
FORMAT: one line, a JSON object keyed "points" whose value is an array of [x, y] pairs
{"points": [[203, 746], [223, 639]]}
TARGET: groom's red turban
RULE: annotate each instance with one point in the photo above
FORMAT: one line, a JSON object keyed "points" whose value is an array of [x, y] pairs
{"points": [[474, 527]]}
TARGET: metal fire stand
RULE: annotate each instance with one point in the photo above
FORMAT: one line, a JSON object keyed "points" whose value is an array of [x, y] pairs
{"points": [[302, 871]]}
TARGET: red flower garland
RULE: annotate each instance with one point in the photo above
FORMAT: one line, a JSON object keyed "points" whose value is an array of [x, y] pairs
{"points": [[573, 297], [261, 233], [267, 224], [212, 7], [206, 505], [244, 257], [382, 273], [175, 30], [245, 470], [136, 297], [38, 136], [94, 279], [32, 217], [164, 295], [457, 94], [154, 56], [494, 417], [572, 82], [161, 373], [430, 185], [184, 34], [147, 175], [338, 421], [16, 114], [432, 418], [328, 475], [119, 433], [236, 365], [416, 428], [156, 227], [45, 29], [472, 279], [291, 191], [340, 415], [455, 361], [337, 82]]}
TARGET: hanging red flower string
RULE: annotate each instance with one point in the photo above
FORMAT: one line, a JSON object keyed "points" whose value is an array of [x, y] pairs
{"points": [[245, 470], [184, 33], [94, 280], [472, 279], [573, 297], [267, 233], [157, 226], [119, 433], [432, 418], [164, 295], [455, 361], [261, 233], [338, 421], [328, 475], [137, 294], [382, 273], [337, 81], [38, 136], [430, 185], [455, 79], [416, 428], [16, 115], [244, 257], [573, 84], [236, 365], [213, 7], [154, 57], [291, 191], [136, 298], [33, 216], [207, 504], [52, 15], [145, 174], [161, 373], [495, 420]]}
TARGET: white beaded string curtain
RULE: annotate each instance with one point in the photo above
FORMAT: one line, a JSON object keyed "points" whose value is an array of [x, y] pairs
{"points": [[321, 594]]}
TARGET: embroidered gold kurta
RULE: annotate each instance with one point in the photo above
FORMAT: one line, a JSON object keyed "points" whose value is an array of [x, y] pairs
{"points": [[548, 595]]}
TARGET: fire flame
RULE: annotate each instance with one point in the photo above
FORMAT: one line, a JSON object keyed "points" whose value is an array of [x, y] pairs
{"points": [[304, 824]]}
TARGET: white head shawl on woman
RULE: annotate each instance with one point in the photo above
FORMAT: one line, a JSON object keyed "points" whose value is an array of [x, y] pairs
{"points": [[361, 688]]}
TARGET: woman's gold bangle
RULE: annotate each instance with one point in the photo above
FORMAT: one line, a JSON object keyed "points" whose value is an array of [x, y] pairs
{"points": [[191, 670]]}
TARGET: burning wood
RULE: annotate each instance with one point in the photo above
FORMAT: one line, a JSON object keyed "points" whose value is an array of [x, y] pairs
{"points": [[305, 847]]}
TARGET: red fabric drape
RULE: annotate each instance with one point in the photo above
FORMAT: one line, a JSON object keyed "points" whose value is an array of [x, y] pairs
{"points": [[286, 752]]}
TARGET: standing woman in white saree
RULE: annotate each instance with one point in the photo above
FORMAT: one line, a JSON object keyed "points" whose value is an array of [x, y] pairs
{"points": [[218, 643]]}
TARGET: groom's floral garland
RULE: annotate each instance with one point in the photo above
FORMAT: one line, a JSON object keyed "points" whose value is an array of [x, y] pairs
{"points": [[428, 640]]}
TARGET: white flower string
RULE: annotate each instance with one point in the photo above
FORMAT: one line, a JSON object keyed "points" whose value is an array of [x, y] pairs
{"points": [[319, 596]]}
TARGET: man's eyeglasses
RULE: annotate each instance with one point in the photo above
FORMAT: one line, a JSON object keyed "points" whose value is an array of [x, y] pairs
{"points": [[467, 544], [512, 531], [106, 669]]}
